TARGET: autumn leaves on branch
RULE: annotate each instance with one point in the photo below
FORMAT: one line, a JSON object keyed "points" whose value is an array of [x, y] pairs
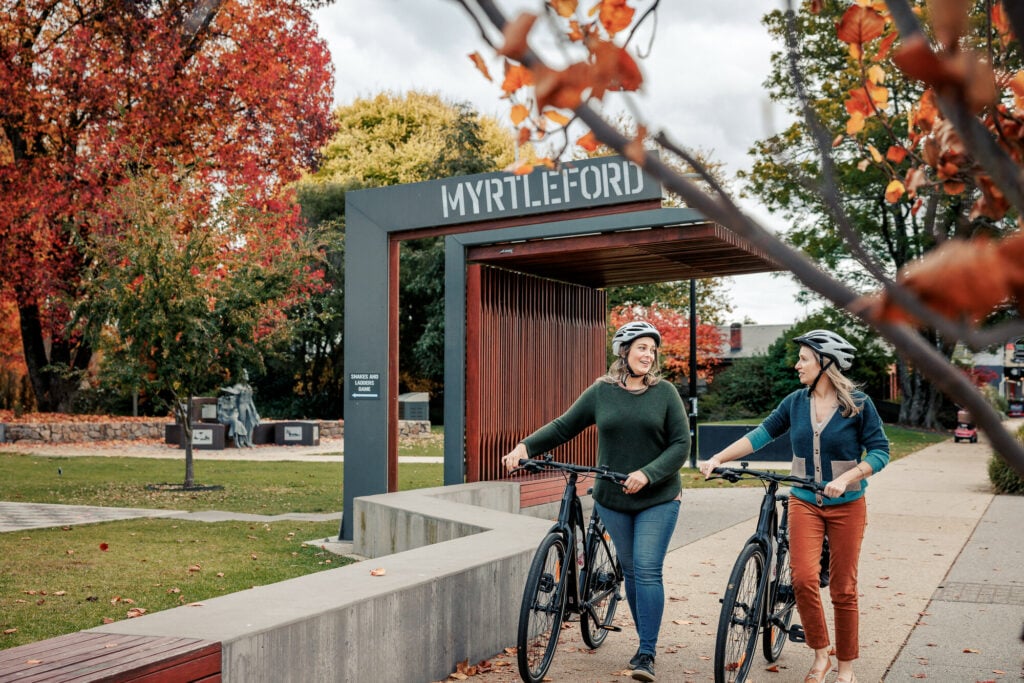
{"points": [[963, 280]]}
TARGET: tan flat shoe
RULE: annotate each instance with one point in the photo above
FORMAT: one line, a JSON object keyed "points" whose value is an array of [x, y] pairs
{"points": [[818, 675]]}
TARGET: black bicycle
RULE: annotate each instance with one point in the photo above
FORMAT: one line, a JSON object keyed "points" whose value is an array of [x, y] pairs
{"points": [[572, 573], [759, 597]]}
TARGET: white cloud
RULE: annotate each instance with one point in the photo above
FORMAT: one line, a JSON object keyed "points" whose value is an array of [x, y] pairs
{"points": [[703, 84]]}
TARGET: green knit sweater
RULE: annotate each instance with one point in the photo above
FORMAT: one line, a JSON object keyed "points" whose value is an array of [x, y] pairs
{"points": [[647, 432]]}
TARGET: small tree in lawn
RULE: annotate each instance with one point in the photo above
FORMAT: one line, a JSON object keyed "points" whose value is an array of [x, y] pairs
{"points": [[181, 296]]}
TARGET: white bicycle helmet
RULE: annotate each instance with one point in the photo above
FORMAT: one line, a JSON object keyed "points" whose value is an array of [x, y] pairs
{"points": [[630, 331], [830, 345]]}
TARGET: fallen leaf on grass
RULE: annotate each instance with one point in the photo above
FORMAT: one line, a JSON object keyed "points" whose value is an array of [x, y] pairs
{"points": [[136, 612], [9, 631]]}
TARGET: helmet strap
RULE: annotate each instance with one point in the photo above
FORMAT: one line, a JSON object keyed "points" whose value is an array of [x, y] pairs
{"points": [[825, 362]]}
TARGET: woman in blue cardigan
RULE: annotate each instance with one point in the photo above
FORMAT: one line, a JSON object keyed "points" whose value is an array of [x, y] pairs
{"points": [[837, 439]]}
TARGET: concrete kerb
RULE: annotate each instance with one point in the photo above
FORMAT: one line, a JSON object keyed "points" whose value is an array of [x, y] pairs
{"points": [[366, 627]]}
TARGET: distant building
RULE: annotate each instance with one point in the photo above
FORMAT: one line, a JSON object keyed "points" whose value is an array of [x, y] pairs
{"points": [[745, 341]]}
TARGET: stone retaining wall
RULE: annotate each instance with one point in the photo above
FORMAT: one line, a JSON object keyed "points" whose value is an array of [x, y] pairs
{"points": [[77, 432]]}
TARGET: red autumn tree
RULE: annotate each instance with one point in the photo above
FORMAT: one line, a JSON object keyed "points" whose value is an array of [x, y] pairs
{"points": [[235, 94], [675, 338]]}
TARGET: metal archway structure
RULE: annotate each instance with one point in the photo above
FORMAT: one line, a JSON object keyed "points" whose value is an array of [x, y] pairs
{"points": [[527, 254]]}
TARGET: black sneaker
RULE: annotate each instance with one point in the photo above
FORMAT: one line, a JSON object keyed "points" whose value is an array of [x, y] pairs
{"points": [[643, 670], [634, 660]]}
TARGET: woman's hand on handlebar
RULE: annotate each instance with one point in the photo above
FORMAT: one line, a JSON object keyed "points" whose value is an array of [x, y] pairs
{"points": [[512, 458], [634, 482], [708, 466]]}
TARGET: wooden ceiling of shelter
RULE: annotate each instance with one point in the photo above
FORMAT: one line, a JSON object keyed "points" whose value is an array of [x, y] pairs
{"points": [[630, 257]]}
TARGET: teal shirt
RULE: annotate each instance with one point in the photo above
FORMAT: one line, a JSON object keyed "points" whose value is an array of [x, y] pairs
{"points": [[845, 442], [647, 432]]}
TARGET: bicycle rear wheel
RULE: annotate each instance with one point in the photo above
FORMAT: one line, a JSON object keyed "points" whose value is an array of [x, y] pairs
{"points": [[781, 603], [740, 618], [540, 617], [601, 589]]}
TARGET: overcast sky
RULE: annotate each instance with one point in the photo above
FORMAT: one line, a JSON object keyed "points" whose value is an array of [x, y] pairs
{"points": [[702, 85]]}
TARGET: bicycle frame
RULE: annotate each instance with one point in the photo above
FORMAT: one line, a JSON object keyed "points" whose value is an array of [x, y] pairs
{"points": [[570, 523], [758, 600]]}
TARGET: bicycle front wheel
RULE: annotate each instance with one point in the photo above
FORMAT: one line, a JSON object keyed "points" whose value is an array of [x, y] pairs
{"points": [[601, 589], [740, 618], [540, 617], [781, 603]]}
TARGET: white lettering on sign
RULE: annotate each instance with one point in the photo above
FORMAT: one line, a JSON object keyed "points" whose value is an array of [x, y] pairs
{"points": [[618, 179], [365, 384]]}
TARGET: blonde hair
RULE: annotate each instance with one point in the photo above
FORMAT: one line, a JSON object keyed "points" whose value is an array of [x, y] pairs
{"points": [[844, 387], [618, 371]]}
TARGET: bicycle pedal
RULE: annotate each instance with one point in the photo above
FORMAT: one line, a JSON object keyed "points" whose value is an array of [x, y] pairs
{"points": [[796, 634], [610, 627]]}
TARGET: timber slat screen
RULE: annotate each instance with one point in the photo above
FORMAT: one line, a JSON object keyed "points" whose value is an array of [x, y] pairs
{"points": [[533, 345]]}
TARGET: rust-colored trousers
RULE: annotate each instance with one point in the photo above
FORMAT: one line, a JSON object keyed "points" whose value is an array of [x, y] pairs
{"points": [[844, 525]]}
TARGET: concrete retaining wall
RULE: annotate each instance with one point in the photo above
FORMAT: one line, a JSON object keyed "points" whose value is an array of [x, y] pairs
{"points": [[436, 604]]}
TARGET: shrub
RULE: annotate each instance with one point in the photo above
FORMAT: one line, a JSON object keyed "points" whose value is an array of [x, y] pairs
{"points": [[1004, 478]]}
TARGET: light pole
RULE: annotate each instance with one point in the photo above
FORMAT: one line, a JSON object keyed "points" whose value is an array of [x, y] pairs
{"points": [[693, 373]]}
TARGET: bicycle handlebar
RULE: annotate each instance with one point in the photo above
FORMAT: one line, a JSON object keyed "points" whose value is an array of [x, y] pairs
{"points": [[734, 474], [546, 462]]}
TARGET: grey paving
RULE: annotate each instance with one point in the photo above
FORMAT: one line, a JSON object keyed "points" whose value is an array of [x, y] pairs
{"points": [[22, 516]]}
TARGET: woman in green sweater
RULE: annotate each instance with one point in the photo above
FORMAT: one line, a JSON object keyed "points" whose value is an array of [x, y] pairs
{"points": [[643, 431]]}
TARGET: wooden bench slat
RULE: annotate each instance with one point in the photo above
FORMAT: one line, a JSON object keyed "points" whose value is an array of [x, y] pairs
{"points": [[94, 657]]}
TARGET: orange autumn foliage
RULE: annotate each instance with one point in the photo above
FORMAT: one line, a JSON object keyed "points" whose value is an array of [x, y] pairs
{"points": [[961, 279], [606, 66]]}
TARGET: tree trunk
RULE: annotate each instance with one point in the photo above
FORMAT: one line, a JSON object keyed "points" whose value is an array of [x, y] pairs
{"points": [[186, 433], [55, 366]]}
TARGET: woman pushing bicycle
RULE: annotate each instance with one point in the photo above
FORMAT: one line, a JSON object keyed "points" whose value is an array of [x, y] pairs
{"points": [[837, 439], [643, 430]]}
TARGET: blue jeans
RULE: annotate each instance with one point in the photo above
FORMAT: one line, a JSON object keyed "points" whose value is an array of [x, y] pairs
{"points": [[641, 541]]}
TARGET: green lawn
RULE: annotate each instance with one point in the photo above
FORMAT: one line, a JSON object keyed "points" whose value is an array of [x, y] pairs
{"points": [[62, 580]]}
